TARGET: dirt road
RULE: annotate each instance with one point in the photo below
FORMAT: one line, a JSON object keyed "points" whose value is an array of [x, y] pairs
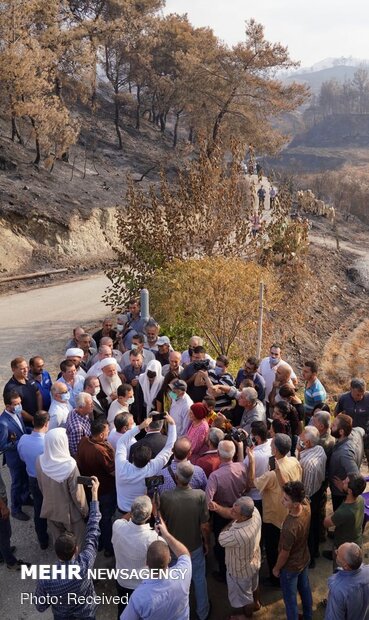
{"points": [[40, 321]]}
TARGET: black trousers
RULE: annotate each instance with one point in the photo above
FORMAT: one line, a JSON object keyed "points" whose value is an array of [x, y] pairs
{"points": [[271, 542], [314, 530], [218, 524], [122, 592]]}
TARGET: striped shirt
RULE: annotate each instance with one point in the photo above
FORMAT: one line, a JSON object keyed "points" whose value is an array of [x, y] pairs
{"points": [[313, 462], [198, 480], [78, 426], [242, 546], [314, 395]]}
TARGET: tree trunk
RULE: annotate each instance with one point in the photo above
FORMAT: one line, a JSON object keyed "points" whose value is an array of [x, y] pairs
{"points": [[138, 106], [116, 121], [218, 122], [162, 122], [37, 143], [15, 132], [191, 135], [175, 135]]}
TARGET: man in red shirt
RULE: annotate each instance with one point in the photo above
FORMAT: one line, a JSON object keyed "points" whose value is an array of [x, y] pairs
{"points": [[209, 461]]}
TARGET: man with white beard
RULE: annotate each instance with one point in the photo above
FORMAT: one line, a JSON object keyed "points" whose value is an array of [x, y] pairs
{"points": [[109, 383], [104, 352], [60, 405]]}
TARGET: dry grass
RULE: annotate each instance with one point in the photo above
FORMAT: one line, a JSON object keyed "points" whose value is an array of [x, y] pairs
{"points": [[346, 355]]}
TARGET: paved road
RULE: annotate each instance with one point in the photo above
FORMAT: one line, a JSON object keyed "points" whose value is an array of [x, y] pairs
{"points": [[40, 321]]}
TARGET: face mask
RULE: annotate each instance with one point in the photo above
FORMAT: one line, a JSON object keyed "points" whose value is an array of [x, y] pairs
{"points": [[302, 444], [130, 400], [120, 328], [173, 395], [273, 361], [18, 409], [190, 351], [65, 397], [151, 374], [218, 371], [96, 391], [134, 347]]}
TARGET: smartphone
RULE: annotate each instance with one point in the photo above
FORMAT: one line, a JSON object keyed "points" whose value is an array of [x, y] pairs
{"points": [[272, 463], [249, 442], [85, 480], [158, 416]]}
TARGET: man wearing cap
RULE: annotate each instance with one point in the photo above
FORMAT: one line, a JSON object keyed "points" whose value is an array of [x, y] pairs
{"points": [[104, 352], [241, 541], [60, 405], [109, 383], [137, 345], [162, 354], [180, 407], [75, 354]]}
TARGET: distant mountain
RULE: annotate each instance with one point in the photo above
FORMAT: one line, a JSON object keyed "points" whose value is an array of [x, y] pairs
{"points": [[325, 70]]}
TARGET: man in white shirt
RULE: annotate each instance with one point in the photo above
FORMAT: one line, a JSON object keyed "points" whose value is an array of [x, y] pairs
{"points": [[124, 399], [180, 407], [130, 477], [267, 369], [174, 364], [123, 422], [131, 540], [262, 453], [60, 406]]}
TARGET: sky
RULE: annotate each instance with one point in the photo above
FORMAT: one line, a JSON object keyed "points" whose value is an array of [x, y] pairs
{"points": [[312, 30]]}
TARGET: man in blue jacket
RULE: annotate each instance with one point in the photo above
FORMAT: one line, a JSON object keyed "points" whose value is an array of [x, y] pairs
{"points": [[11, 430]]}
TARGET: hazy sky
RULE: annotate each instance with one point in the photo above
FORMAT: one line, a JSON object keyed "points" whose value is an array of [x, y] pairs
{"points": [[312, 30]]}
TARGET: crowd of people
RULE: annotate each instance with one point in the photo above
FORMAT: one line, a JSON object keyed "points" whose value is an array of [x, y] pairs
{"points": [[177, 455]]}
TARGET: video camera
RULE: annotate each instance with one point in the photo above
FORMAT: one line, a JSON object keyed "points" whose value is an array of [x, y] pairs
{"points": [[237, 434], [153, 483], [201, 365]]}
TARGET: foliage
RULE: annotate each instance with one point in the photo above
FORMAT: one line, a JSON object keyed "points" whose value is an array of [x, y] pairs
{"points": [[204, 214], [214, 296]]}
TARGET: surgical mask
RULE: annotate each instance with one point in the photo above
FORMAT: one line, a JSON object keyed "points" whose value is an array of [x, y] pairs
{"points": [[273, 361], [18, 409], [130, 400], [218, 371], [173, 395], [302, 444], [134, 347], [65, 397], [120, 328], [96, 391]]}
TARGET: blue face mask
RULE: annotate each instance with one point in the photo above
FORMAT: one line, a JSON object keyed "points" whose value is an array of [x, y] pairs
{"points": [[273, 361], [18, 409], [173, 395], [218, 371], [65, 397]]}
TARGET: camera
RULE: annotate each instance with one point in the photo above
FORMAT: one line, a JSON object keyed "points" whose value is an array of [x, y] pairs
{"points": [[153, 483], [201, 365], [237, 434]]}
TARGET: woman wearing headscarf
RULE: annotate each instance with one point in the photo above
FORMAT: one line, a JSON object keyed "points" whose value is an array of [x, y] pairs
{"points": [[64, 501], [149, 384], [198, 430]]}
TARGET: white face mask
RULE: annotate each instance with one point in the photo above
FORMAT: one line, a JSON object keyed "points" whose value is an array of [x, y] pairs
{"points": [[130, 400], [96, 391], [120, 328]]}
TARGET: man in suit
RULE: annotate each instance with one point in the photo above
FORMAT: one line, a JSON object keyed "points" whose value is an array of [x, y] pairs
{"points": [[92, 386], [154, 439], [11, 430]]}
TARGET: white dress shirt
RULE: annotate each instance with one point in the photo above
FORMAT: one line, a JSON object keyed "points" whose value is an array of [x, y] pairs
{"points": [[129, 479], [130, 542], [179, 411], [58, 413], [261, 455]]}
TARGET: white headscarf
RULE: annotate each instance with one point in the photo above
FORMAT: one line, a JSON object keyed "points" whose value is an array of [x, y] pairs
{"points": [[150, 390], [56, 461]]}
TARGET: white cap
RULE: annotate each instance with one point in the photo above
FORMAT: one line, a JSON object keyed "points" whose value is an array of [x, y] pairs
{"points": [[74, 352], [108, 361], [162, 340]]}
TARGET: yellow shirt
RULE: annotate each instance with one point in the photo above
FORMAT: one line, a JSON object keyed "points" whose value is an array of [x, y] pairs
{"points": [[271, 491]]}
